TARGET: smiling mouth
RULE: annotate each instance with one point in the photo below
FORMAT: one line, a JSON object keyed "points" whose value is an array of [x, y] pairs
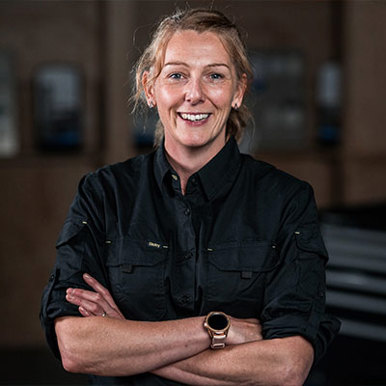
{"points": [[193, 117]]}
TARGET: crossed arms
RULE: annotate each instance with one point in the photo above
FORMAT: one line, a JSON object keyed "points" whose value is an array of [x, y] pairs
{"points": [[176, 349]]}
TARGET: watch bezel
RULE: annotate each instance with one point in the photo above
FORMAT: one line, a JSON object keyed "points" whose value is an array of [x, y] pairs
{"points": [[214, 330]]}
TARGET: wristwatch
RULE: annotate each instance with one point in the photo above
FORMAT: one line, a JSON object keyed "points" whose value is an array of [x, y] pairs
{"points": [[217, 324]]}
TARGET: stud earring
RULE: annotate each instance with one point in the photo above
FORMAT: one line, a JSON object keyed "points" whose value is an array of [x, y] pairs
{"points": [[151, 104], [236, 107]]}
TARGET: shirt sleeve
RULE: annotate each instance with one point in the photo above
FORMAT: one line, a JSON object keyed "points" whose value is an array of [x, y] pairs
{"points": [[294, 300], [79, 250]]}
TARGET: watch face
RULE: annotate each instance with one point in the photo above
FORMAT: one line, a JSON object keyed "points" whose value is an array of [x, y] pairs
{"points": [[218, 321]]}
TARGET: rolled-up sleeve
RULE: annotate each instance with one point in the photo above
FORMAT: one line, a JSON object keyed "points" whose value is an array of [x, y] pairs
{"points": [[294, 300], [79, 250]]}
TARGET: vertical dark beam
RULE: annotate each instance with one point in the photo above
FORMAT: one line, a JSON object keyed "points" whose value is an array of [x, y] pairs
{"points": [[119, 18], [101, 86], [337, 47]]}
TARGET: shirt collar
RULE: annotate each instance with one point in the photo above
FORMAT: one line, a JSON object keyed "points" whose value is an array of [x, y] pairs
{"points": [[161, 165], [216, 176], [219, 173]]}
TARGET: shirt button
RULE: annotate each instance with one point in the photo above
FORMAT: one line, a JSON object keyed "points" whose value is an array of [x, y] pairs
{"points": [[184, 299], [187, 212]]}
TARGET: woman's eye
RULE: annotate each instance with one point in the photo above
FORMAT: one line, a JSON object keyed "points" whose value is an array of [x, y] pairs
{"points": [[175, 76], [216, 76]]}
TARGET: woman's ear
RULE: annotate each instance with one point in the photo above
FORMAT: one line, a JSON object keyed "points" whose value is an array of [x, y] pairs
{"points": [[240, 91], [148, 87]]}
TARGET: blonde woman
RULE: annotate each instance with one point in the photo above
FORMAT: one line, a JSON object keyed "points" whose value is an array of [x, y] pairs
{"points": [[194, 264]]}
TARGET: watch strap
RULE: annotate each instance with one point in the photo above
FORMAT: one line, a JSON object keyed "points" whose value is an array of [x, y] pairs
{"points": [[218, 341]]}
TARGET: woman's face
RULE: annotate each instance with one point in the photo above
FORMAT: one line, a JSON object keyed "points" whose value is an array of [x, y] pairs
{"points": [[195, 91]]}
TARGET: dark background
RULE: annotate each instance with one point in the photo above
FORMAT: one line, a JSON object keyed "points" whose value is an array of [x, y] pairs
{"points": [[102, 40]]}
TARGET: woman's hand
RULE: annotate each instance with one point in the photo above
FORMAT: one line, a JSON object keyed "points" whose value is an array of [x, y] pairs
{"points": [[98, 303]]}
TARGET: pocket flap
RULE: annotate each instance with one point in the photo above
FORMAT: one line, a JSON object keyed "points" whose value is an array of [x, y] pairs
{"points": [[309, 239], [245, 257], [70, 229], [126, 251]]}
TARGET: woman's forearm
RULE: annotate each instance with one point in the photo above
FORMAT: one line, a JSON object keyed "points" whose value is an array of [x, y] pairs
{"points": [[111, 347], [152, 345], [285, 361]]}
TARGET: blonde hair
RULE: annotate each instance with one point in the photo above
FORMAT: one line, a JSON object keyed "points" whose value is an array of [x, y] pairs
{"points": [[199, 20]]}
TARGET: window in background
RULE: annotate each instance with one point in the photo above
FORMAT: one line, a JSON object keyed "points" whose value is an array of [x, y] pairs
{"points": [[58, 107], [9, 138], [277, 101]]}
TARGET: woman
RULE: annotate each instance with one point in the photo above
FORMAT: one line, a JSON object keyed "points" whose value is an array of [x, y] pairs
{"points": [[153, 246]]}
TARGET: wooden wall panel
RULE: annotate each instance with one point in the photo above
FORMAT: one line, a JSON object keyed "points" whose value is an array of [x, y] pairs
{"points": [[34, 203]]}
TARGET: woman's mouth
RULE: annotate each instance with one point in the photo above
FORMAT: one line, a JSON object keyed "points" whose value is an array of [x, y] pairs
{"points": [[193, 117]]}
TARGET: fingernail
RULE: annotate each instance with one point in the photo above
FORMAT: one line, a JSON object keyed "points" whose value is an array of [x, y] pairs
{"points": [[87, 276]]}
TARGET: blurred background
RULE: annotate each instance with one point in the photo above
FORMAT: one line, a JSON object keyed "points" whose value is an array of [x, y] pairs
{"points": [[318, 101]]}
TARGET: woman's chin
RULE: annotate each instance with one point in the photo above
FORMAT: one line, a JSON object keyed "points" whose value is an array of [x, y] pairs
{"points": [[197, 144], [196, 141], [200, 141]]}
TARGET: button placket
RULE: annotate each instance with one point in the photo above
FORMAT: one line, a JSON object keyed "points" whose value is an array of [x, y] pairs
{"points": [[188, 256], [183, 271]]}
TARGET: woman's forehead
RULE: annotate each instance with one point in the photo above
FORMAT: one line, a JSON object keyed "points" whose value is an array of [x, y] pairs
{"points": [[189, 46]]}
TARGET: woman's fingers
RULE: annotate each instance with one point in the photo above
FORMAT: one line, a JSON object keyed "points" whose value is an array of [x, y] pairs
{"points": [[95, 285], [98, 303], [83, 311], [104, 293], [91, 296], [86, 300]]}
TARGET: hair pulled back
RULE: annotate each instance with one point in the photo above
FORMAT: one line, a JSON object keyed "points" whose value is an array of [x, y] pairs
{"points": [[199, 20]]}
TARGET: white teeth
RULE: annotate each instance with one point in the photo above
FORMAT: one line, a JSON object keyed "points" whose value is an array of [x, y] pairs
{"points": [[194, 117]]}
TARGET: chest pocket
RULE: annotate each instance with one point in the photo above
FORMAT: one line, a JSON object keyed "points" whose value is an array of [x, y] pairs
{"points": [[236, 275], [136, 272]]}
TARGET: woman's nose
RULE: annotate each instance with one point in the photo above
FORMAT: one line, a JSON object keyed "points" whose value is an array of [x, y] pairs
{"points": [[194, 92]]}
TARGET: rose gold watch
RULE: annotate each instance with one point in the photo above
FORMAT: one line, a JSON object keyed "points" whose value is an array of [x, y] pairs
{"points": [[217, 324]]}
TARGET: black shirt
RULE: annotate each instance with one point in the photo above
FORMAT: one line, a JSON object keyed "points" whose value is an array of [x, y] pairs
{"points": [[244, 239]]}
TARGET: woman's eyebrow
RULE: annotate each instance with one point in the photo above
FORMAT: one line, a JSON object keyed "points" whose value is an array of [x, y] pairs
{"points": [[218, 65], [185, 64], [175, 64]]}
